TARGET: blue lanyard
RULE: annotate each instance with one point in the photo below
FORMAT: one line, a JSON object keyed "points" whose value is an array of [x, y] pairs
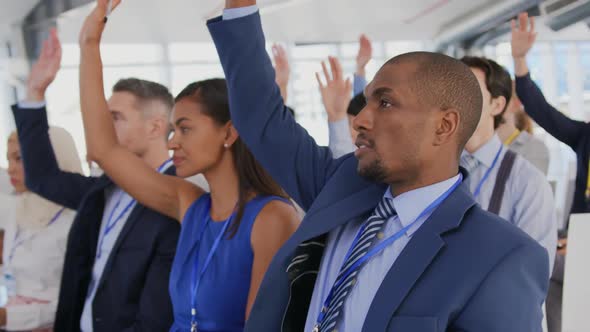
{"points": [[487, 174], [112, 222], [378, 248], [17, 243], [198, 276]]}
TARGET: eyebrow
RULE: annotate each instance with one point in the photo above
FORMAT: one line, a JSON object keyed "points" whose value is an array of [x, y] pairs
{"points": [[179, 121], [117, 112], [381, 91]]}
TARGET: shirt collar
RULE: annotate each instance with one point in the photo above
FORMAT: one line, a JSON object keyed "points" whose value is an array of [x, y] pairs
{"points": [[487, 152], [410, 205]]}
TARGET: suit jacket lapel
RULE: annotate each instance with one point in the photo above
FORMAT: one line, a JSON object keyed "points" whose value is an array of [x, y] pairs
{"points": [[321, 221], [306, 247], [90, 219], [129, 224], [416, 257]]}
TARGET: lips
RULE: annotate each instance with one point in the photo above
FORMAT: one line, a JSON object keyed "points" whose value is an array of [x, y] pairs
{"points": [[178, 160], [363, 145], [362, 142]]}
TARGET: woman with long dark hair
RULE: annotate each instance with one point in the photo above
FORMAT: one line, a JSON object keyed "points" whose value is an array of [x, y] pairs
{"points": [[229, 236]]}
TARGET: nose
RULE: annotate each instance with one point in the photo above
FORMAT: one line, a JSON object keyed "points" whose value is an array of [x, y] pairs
{"points": [[11, 168], [173, 142], [364, 120]]}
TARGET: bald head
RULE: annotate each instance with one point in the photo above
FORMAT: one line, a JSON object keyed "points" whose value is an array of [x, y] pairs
{"points": [[442, 82]]}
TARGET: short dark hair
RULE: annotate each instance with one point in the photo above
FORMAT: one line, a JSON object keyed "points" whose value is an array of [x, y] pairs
{"points": [[498, 81], [446, 83], [357, 104], [146, 91]]}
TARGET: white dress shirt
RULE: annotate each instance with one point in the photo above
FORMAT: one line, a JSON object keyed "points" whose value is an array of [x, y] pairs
{"points": [[5, 186], [36, 266]]}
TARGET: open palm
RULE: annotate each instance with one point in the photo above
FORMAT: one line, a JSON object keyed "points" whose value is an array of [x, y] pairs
{"points": [[337, 90], [364, 54], [43, 72], [523, 36]]}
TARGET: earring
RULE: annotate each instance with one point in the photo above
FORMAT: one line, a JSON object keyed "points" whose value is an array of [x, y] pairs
{"points": [[226, 145]]}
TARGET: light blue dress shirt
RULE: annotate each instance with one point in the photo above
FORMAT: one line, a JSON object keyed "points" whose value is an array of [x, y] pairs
{"points": [[233, 13], [358, 84], [113, 195], [528, 199], [340, 141], [408, 206]]}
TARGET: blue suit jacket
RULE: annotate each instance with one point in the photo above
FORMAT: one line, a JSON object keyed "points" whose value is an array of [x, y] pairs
{"points": [[464, 269], [133, 292]]}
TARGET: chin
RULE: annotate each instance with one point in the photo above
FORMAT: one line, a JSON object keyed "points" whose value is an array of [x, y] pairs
{"points": [[20, 190], [373, 172], [184, 172], [181, 173]]}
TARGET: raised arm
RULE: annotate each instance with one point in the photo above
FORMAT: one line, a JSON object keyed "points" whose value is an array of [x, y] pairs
{"points": [[554, 122], [336, 97], [364, 55], [283, 147], [166, 194], [282, 69], [43, 175]]}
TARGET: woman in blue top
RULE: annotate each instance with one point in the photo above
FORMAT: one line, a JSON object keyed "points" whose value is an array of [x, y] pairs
{"points": [[229, 236]]}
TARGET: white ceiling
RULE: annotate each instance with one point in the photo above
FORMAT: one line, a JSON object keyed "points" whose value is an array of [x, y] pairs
{"points": [[12, 12], [145, 21], [286, 20]]}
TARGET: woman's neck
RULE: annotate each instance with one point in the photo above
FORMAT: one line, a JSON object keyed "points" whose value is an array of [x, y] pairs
{"points": [[224, 185]]}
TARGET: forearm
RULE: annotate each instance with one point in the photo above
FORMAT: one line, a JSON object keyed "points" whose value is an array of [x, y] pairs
{"points": [[284, 92], [98, 126], [44, 177], [553, 121], [520, 66]]}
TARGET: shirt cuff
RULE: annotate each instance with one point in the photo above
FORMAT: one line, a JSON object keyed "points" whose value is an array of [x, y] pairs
{"points": [[31, 104], [234, 13], [339, 126], [340, 140], [359, 84]]}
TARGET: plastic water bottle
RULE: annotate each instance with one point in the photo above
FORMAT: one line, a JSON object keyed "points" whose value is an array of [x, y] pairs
{"points": [[10, 284]]}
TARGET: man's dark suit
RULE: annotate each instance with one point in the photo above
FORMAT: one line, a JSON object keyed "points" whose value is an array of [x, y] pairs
{"points": [[132, 294]]}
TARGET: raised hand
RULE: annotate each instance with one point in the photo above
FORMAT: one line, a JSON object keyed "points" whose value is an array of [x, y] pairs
{"points": [[43, 72], [94, 24], [364, 55], [282, 69], [523, 36], [336, 92]]}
